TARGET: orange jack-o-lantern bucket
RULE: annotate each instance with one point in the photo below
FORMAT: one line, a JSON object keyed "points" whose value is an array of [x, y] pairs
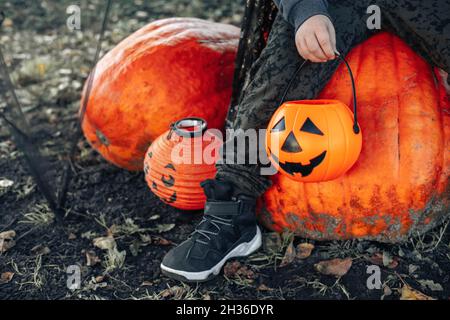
{"points": [[179, 160], [314, 140]]}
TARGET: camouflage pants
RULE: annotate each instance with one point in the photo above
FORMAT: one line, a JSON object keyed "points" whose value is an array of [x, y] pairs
{"points": [[424, 25]]}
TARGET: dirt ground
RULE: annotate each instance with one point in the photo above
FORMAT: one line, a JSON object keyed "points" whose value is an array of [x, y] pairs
{"points": [[49, 65]]}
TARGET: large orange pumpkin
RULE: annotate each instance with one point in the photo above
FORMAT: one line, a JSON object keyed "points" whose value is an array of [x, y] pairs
{"points": [[168, 70], [400, 184]]}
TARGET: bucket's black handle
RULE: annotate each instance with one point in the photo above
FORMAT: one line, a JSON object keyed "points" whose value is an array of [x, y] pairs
{"points": [[178, 126], [356, 129]]}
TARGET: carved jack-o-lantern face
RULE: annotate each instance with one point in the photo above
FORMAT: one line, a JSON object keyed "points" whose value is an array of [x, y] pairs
{"points": [[312, 140]]}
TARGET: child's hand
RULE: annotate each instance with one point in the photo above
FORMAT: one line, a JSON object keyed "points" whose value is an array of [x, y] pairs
{"points": [[316, 39]]}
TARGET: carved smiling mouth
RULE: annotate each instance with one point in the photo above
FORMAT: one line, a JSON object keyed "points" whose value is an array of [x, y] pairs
{"points": [[304, 170]]}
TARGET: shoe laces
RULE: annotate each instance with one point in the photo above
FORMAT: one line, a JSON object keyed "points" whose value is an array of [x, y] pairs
{"points": [[203, 231]]}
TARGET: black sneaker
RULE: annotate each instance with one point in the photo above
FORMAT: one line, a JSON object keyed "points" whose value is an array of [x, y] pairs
{"points": [[227, 230]]}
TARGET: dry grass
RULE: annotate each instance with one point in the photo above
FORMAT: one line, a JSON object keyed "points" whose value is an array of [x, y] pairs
{"points": [[41, 216]]}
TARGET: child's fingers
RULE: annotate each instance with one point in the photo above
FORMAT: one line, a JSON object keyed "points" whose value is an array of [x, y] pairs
{"points": [[332, 33], [316, 39], [305, 52], [315, 52], [324, 39], [302, 48]]}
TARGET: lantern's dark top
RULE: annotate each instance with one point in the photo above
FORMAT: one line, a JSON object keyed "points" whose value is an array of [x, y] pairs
{"points": [[298, 11]]}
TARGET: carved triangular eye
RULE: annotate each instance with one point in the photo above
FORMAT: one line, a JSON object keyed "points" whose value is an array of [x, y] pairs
{"points": [[291, 144], [310, 127], [280, 126]]}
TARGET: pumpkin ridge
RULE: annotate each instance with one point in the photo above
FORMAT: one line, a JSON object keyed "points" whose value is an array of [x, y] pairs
{"points": [[398, 108]]}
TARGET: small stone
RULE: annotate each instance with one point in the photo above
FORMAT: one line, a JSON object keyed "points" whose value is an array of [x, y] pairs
{"points": [[141, 14], [304, 250], [6, 183], [6, 277], [7, 240], [334, 267]]}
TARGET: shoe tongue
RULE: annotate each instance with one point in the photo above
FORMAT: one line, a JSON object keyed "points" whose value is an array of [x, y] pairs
{"points": [[207, 226], [217, 190]]}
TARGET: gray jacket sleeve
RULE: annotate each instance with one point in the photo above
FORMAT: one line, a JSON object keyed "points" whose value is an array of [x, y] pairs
{"points": [[298, 11]]}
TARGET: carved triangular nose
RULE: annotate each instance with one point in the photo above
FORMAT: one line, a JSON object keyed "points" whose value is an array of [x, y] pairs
{"points": [[291, 144]]}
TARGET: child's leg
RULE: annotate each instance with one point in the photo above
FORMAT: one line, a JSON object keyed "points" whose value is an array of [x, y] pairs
{"points": [[424, 25], [229, 228], [270, 76]]}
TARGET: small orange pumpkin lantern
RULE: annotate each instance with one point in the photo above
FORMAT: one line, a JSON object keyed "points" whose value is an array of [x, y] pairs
{"points": [[179, 160], [314, 140]]}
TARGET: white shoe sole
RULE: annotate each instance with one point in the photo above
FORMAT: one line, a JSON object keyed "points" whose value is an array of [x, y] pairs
{"points": [[242, 250]]}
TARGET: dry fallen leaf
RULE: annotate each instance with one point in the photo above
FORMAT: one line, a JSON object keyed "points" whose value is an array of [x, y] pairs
{"points": [[384, 259], [6, 277], [72, 236], [386, 291], [156, 240], [263, 287], [40, 250], [289, 255], [304, 250], [91, 258], [334, 267], [105, 243], [161, 241], [175, 292], [7, 240], [206, 297], [236, 270], [113, 258], [409, 293], [10, 234]]}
